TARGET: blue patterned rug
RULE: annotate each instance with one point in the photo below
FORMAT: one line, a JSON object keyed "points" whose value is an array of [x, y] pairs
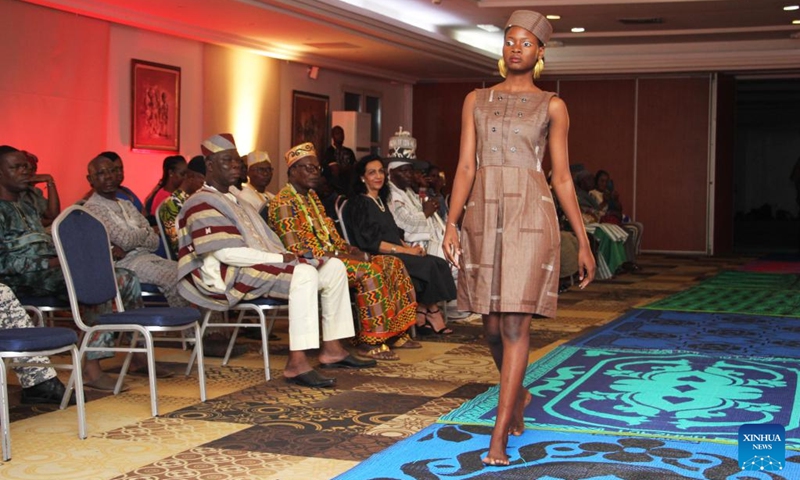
{"points": [[711, 333], [651, 394], [454, 452]]}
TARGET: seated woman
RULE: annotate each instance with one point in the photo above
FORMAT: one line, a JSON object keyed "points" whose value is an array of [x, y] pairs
{"points": [[173, 171], [384, 293], [608, 199], [372, 228]]}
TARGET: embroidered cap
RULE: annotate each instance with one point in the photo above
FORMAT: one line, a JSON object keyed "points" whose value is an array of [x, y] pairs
{"points": [[218, 143], [534, 22], [257, 156], [403, 151], [299, 152]]}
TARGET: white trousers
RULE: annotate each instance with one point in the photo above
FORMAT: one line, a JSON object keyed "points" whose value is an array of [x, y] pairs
{"points": [[330, 282]]}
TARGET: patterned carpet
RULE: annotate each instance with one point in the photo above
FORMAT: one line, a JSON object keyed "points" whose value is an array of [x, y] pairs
{"points": [[249, 429]]}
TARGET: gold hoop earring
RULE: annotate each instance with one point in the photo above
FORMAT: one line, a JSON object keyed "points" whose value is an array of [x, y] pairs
{"points": [[501, 65], [538, 68]]}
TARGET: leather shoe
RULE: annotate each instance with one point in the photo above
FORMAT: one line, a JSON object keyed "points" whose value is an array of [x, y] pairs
{"points": [[312, 379], [49, 391], [350, 362]]}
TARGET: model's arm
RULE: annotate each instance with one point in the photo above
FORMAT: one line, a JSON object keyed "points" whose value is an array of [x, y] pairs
{"points": [[564, 187], [462, 182]]}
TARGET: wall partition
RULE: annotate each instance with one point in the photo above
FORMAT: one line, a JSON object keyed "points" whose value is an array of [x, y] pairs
{"points": [[652, 134]]}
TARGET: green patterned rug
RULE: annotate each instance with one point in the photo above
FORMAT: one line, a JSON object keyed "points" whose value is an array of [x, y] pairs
{"points": [[657, 394], [713, 299], [738, 279]]}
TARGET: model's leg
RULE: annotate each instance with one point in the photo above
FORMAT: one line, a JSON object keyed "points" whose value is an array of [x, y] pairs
{"points": [[491, 330], [515, 335]]}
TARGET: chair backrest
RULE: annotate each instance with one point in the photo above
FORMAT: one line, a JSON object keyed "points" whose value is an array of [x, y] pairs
{"points": [[340, 214], [84, 252], [163, 233]]}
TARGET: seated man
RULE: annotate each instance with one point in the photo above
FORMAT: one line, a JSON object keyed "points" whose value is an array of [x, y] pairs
{"points": [[49, 207], [228, 254], [133, 241], [39, 384], [29, 265], [124, 193], [385, 299], [259, 174], [192, 181]]}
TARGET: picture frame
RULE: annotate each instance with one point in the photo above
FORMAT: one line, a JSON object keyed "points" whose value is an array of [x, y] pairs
{"points": [[310, 114], [155, 107]]}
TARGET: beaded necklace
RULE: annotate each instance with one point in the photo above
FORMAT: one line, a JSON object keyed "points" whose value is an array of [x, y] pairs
{"points": [[377, 201], [322, 234]]}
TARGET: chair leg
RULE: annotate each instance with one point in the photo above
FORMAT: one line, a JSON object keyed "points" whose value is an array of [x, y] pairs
{"points": [[201, 372], [73, 378], [124, 370], [79, 400], [151, 371], [232, 341], [5, 423], [198, 339], [264, 342]]}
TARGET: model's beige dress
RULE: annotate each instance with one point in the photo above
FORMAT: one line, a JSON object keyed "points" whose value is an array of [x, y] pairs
{"points": [[510, 234]]}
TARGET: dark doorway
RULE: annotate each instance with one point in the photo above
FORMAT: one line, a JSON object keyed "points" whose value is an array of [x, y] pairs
{"points": [[767, 192]]}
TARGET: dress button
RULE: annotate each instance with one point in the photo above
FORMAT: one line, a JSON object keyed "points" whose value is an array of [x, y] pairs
{"points": [[516, 130], [524, 99], [513, 149], [494, 129], [519, 114], [494, 149]]}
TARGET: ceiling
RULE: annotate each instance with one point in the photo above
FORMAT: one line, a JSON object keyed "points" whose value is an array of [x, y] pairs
{"points": [[414, 41]]}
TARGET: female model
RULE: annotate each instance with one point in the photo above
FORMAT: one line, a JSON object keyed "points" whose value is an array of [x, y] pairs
{"points": [[509, 251]]}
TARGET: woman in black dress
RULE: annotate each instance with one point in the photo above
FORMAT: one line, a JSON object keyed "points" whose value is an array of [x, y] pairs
{"points": [[372, 228]]}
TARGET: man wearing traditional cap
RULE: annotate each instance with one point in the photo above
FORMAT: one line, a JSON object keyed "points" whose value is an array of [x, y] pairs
{"points": [[227, 254], [385, 299], [259, 173]]}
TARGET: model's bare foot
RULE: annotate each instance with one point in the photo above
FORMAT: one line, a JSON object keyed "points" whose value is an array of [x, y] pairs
{"points": [[517, 426], [497, 450]]}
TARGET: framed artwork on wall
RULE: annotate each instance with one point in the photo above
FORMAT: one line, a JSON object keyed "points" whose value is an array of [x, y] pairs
{"points": [[155, 106], [310, 119]]}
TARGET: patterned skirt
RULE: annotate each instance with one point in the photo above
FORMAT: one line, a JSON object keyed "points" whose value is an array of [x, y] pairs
{"points": [[385, 297]]}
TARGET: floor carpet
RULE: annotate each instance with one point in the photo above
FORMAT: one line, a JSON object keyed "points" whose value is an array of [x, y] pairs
{"points": [[744, 300], [707, 333], [252, 429], [651, 393], [455, 452]]}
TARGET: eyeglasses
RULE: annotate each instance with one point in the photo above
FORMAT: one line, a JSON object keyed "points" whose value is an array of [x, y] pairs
{"points": [[310, 168], [262, 170]]}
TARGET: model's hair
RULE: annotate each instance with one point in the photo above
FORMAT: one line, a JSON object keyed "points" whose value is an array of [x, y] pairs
{"points": [[358, 187]]}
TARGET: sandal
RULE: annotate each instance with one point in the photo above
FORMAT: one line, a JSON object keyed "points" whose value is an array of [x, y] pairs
{"points": [[382, 352], [405, 341], [428, 328]]}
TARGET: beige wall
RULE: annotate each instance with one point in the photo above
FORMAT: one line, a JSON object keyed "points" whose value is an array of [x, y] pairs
{"points": [[143, 169]]}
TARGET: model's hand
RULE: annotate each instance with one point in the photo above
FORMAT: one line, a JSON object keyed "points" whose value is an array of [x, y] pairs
{"points": [[451, 246], [586, 266]]}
